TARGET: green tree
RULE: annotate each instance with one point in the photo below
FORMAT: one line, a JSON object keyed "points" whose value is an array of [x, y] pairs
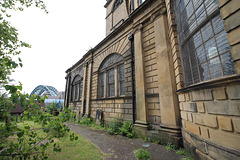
{"points": [[22, 142]]}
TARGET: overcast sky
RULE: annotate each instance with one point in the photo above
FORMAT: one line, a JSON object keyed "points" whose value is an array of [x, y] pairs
{"points": [[59, 39]]}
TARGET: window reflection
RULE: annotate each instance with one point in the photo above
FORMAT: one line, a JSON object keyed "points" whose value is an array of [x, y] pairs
{"points": [[203, 41]]}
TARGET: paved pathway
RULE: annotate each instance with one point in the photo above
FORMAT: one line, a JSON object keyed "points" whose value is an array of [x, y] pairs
{"points": [[121, 148]]}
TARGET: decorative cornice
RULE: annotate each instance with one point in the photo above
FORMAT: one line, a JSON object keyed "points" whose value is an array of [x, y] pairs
{"points": [[137, 28], [160, 12]]}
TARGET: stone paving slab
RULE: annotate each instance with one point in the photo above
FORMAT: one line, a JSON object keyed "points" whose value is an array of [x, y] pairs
{"points": [[122, 148]]}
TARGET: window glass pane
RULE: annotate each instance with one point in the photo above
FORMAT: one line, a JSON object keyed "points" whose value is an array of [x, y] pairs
{"points": [[211, 6], [76, 91], [73, 93], [222, 42], [227, 64], [192, 55], [201, 54], [121, 78], [204, 72], [195, 75], [111, 90], [102, 84], [210, 48], [217, 24], [182, 5], [207, 32], [111, 83], [192, 23], [200, 14], [215, 68], [196, 3], [189, 9], [197, 39]]}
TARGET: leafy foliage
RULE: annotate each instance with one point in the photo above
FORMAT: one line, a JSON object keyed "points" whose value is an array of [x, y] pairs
{"points": [[23, 142], [86, 121], [127, 129], [9, 42], [170, 147], [142, 154], [114, 126]]}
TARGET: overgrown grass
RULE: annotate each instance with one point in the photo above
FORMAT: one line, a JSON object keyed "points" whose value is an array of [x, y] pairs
{"points": [[75, 150]]}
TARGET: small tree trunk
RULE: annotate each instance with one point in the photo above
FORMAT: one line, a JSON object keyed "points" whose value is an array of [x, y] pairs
{"points": [[8, 120]]}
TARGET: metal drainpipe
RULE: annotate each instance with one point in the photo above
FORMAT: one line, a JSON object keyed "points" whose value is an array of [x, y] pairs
{"points": [[131, 38]]}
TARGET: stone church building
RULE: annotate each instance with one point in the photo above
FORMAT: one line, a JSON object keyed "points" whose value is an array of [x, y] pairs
{"points": [[170, 66]]}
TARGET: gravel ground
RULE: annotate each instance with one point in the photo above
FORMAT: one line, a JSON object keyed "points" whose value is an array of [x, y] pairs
{"points": [[122, 148]]}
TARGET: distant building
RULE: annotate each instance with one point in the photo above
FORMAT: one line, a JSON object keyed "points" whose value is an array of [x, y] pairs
{"points": [[170, 66]]}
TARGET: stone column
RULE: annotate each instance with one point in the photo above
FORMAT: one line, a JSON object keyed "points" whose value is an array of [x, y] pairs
{"points": [[169, 109], [84, 89], [89, 88], [141, 108], [66, 91]]}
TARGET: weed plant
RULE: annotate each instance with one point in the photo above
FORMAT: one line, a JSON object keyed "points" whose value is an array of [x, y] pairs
{"points": [[142, 154], [127, 129], [170, 147]]}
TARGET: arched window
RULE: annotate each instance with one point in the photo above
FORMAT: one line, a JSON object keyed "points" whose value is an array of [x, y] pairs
{"points": [[111, 77], [77, 85], [204, 48]]}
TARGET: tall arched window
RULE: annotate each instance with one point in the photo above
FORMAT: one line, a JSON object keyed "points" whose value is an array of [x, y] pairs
{"points": [[77, 85], [111, 77], [205, 52]]}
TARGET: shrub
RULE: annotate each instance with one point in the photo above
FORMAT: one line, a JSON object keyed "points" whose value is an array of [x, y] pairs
{"points": [[127, 129], [142, 154], [114, 126]]}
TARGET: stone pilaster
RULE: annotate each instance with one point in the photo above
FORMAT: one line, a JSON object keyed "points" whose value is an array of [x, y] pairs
{"points": [[66, 91], [141, 108], [166, 83], [89, 88], [84, 89]]}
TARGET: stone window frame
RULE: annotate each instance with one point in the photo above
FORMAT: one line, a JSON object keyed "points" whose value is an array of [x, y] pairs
{"points": [[104, 84], [197, 15], [77, 88]]}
